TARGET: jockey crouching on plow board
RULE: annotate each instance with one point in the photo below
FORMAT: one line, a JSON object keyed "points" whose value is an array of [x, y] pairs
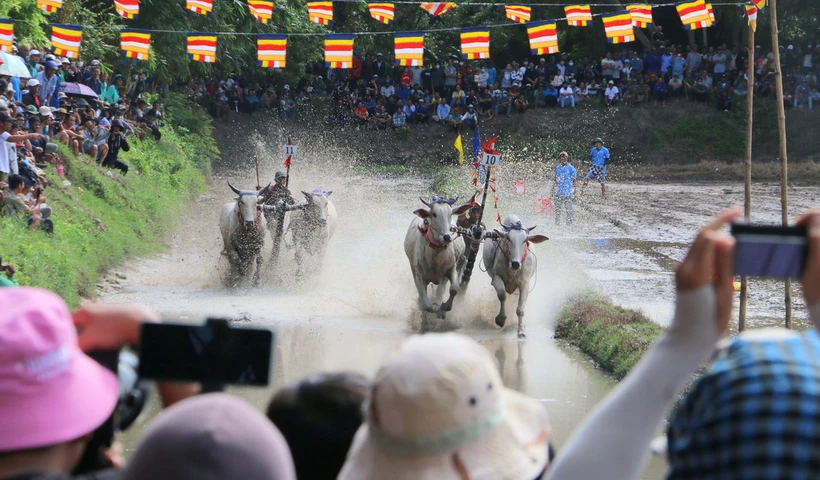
{"points": [[277, 195]]}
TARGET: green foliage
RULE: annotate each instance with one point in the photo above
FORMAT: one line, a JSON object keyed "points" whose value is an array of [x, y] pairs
{"points": [[616, 338], [99, 221]]}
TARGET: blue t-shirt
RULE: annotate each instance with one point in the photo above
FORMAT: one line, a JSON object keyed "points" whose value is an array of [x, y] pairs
{"points": [[599, 156], [564, 175]]}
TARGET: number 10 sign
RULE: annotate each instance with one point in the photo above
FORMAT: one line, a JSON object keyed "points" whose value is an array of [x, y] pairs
{"points": [[491, 159]]}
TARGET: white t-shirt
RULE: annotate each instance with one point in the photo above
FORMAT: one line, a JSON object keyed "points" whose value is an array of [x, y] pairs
{"points": [[4, 153], [611, 92], [566, 92]]}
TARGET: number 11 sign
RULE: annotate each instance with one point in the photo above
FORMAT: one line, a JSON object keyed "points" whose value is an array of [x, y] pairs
{"points": [[290, 150]]}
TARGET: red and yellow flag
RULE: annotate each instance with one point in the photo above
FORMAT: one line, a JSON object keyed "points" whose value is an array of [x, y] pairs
{"points": [[128, 8], [202, 7], [475, 43], [438, 8], [641, 15], [618, 27], [578, 15], [751, 14], [382, 12], [543, 37], [320, 12], [135, 43], [50, 6], [760, 4], [339, 50], [66, 40], [711, 12], [6, 34], [262, 10], [272, 50], [409, 48], [694, 14], [518, 13], [202, 47]]}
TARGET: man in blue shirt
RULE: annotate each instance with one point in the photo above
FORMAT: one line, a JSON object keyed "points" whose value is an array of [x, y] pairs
{"points": [[599, 157], [563, 190]]}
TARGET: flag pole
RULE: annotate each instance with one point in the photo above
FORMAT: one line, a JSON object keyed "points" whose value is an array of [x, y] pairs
{"points": [[280, 216], [747, 190], [476, 233]]}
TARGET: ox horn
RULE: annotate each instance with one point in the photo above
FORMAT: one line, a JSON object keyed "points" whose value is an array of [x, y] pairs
{"points": [[235, 190], [262, 192], [429, 205], [453, 201], [531, 228]]}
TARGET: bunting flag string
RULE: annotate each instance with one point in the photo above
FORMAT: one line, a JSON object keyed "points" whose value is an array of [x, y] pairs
{"points": [[578, 15], [694, 14], [475, 43], [339, 50], [641, 15], [66, 40], [272, 50], [382, 12], [543, 37], [202, 47], [135, 43], [50, 6], [518, 13], [202, 7], [409, 49], [321, 12], [436, 9], [618, 27], [6, 34], [262, 10], [751, 14], [129, 9]]}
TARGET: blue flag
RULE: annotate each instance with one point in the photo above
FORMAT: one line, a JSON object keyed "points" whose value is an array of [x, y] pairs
{"points": [[480, 170]]}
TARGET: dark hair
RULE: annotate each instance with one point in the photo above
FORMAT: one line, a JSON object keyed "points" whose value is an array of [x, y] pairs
{"points": [[15, 181], [319, 416]]}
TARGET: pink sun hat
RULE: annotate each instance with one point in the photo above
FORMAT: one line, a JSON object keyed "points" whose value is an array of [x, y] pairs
{"points": [[50, 391]]}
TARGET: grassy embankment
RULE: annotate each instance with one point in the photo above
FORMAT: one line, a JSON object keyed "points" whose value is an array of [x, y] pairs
{"points": [[100, 221], [615, 338]]}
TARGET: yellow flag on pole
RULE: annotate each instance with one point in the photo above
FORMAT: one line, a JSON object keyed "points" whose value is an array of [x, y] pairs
{"points": [[460, 150]]}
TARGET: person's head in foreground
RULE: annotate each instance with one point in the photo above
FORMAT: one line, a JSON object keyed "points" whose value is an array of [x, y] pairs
{"points": [[211, 437], [53, 395], [439, 411], [318, 416]]}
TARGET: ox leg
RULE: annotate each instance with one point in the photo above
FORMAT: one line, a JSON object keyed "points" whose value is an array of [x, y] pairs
{"points": [[440, 289], [424, 299], [523, 293], [452, 275], [501, 290], [257, 274]]}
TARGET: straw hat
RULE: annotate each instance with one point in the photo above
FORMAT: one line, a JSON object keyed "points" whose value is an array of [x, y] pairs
{"points": [[439, 411]]}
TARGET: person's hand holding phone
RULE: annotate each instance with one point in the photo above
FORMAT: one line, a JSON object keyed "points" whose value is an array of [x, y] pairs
{"points": [[102, 326], [811, 272]]}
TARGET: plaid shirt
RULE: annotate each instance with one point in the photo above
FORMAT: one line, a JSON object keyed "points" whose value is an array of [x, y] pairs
{"points": [[399, 118], [755, 413]]}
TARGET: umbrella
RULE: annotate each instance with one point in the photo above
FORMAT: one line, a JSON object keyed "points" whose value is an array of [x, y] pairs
{"points": [[13, 66], [77, 90]]}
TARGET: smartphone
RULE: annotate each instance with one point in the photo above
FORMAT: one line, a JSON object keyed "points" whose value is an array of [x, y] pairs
{"points": [[770, 251], [214, 353]]}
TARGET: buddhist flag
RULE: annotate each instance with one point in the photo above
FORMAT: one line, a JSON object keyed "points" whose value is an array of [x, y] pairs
{"points": [[202, 7], [262, 10], [459, 148], [66, 39], [694, 14], [6, 34], [128, 8], [272, 50], [409, 48], [382, 12], [543, 37], [50, 6], [578, 15], [518, 13], [438, 8], [641, 15], [760, 4], [321, 12], [339, 50], [751, 14], [202, 47], [135, 43], [618, 27], [711, 12], [475, 43]]}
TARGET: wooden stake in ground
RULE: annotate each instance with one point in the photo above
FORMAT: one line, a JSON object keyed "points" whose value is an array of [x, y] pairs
{"points": [[747, 190], [784, 158]]}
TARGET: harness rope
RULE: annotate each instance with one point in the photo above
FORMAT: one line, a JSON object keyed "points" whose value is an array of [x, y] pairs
{"points": [[425, 232]]}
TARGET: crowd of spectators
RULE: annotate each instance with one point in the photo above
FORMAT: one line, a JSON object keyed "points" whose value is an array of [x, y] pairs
{"points": [[377, 93]]}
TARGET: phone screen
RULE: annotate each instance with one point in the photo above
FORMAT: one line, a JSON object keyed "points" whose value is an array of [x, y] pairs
{"points": [[204, 353], [766, 251]]}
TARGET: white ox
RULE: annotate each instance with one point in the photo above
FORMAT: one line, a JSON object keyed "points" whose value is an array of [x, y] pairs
{"points": [[243, 233], [511, 266], [434, 256], [313, 225]]}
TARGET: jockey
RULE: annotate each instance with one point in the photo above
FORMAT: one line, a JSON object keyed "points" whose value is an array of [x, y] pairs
{"points": [[278, 192]]}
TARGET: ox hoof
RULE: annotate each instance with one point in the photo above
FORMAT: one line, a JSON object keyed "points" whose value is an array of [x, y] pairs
{"points": [[500, 320], [441, 314], [521, 335]]}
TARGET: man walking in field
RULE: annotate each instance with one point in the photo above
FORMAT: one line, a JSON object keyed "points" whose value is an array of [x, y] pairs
{"points": [[563, 190], [599, 157]]}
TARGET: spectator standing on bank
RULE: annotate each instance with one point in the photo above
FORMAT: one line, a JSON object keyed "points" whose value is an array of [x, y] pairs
{"points": [[599, 157], [563, 190]]}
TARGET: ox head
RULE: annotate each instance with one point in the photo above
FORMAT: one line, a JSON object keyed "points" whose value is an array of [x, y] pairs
{"points": [[517, 237], [437, 216], [246, 204], [316, 208]]}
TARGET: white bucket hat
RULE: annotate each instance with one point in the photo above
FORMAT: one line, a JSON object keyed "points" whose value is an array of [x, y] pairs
{"points": [[439, 411]]}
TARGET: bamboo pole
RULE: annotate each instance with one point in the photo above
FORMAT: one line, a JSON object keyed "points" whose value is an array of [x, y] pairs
{"points": [[747, 191], [784, 158]]}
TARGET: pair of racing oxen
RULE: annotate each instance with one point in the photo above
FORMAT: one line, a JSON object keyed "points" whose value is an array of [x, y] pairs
{"points": [[437, 256], [243, 227]]}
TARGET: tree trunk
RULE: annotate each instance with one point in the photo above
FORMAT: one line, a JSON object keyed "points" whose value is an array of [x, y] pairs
{"points": [[747, 191]]}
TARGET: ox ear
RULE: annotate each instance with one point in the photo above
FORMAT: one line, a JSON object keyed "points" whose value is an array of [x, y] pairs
{"points": [[500, 233], [423, 213], [462, 209], [537, 238]]}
